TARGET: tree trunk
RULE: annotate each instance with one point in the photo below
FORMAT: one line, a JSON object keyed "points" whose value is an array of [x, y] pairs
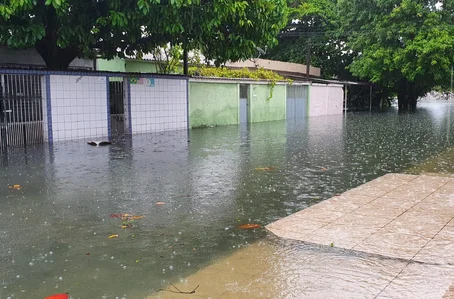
{"points": [[56, 58], [407, 96]]}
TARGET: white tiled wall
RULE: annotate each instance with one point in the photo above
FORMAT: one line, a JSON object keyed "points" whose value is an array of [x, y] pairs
{"points": [[79, 107], [325, 99], [161, 107], [44, 108]]}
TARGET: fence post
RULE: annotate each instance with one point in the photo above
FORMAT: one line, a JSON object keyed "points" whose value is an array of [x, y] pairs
{"points": [[49, 110], [109, 127], [187, 105], [127, 103]]}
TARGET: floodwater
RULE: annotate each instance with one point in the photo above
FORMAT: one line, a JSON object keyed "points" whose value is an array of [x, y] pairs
{"points": [[54, 231]]}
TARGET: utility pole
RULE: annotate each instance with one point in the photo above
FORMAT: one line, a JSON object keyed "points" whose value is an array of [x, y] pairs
{"points": [[308, 58], [185, 62]]}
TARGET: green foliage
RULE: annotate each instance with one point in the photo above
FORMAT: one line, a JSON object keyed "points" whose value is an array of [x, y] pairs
{"points": [[406, 47], [61, 30], [167, 58], [222, 72], [314, 26]]}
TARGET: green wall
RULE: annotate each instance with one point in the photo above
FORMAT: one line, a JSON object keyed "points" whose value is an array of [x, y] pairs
{"points": [[213, 104], [122, 65], [140, 66], [114, 65], [262, 109]]}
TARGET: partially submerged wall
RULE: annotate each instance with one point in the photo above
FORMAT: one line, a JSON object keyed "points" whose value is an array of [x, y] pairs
{"points": [[78, 106], [213, 104], [158, 105], [262, 107], [325, 99]]}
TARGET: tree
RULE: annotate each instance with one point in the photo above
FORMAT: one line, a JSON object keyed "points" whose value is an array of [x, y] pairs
{"points": [[405, 46], [61, 30], [167, 58], [313, 28]]}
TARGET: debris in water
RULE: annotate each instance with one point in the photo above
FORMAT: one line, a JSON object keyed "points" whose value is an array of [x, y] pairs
{"points": [[248, 226], [178, 291], [126, 216], [324, 168], [160, 203], [88, 254], [116, 215], [265, 168], [15, 187], [99, 143], [59, 296], [113, 236]]}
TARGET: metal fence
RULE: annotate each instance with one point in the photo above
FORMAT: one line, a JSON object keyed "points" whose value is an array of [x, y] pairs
{"points": [[21, 110]]}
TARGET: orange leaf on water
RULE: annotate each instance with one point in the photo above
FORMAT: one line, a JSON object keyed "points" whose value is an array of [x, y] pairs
{"points": [[113, 236], [249, 226], [58, 296], [265, 168], [160, 203], [116, 215]]}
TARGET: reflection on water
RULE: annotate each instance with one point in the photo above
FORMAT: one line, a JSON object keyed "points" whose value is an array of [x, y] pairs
{"points": [[54, 231]]}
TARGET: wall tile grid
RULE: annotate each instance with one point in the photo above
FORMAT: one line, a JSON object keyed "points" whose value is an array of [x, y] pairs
{"points": [[162, 107], [79, 107], [44, 107]]}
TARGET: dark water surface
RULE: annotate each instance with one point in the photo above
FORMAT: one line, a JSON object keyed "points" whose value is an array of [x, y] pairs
{"points": [[54, 231]]}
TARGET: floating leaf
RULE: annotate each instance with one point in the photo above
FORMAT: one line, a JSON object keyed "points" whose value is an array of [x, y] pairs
{"points": [[58, 296], [113, 236], [15, 187], [160, 203], [116, 215], [126, 216], [88, 254], [249, 226], [265, 168], [324, 168]]}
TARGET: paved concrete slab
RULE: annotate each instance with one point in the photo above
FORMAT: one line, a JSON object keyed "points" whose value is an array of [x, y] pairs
{"points": [[390, 238], [268, 269], [397, 215]]}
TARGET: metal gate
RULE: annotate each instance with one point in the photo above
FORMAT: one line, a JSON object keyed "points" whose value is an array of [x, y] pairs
{"points": [[21, 110], [244, 103], [296, 101], [117, 106]]}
